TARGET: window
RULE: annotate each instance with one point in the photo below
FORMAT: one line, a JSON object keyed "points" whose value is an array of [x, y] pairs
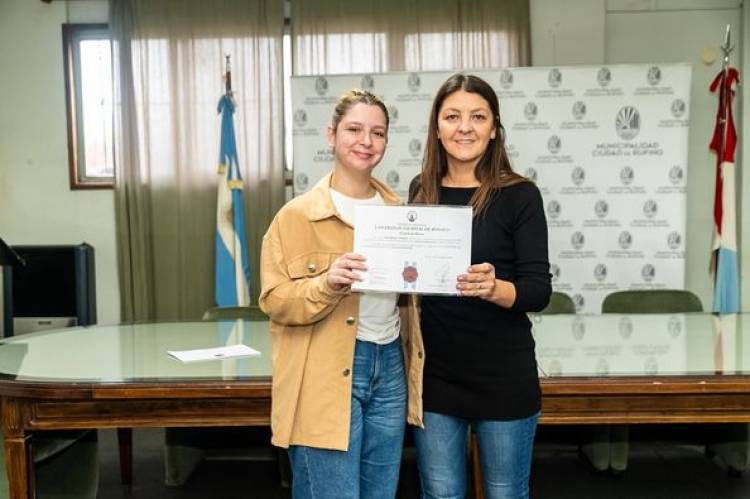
{"points": [[88, 89]]}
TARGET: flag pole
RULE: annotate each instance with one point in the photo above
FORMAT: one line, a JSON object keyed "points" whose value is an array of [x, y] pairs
{"points": [[232, 286], [724, 143], [726, 49], [228, 78], [228, 75], [721, 121]]}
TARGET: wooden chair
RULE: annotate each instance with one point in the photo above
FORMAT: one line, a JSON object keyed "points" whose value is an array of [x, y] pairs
{"points": [[607, 446], [251, 313], [559, 303], [651, 301]]}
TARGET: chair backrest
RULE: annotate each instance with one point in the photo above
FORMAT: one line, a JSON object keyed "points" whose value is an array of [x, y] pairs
{"points": [[559, 303], [252, 313], [651, 301]]}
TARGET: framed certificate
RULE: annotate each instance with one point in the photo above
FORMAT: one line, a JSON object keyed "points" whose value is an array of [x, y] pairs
{"points": [[412, 249]]}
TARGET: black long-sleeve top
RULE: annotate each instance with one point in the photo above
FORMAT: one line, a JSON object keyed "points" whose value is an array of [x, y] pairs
{"points": [[480, 361]]}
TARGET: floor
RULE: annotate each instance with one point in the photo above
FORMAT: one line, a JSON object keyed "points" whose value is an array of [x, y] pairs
{"points": [[655, 471]]}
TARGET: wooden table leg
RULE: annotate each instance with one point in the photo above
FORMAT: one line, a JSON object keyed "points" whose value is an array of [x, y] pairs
{"points": [[125, 443], [476, 467], [19, 462]]}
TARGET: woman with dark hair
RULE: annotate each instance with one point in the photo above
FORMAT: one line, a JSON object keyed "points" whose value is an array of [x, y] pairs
{"points": [[480, 368]]}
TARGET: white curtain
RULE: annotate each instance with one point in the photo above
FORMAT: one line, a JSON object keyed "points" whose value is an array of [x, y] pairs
{"points": [[169, 66], [340, 36]]}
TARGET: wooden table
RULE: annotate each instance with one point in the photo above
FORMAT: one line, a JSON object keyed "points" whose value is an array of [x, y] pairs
{"points": [[661, 368], [635, 369], [121, 377], [595, 369]]}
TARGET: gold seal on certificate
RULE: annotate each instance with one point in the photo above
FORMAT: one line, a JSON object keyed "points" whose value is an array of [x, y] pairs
{"points": [[412, 249]]}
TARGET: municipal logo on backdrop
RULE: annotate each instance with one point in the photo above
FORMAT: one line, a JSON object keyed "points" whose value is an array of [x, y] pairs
{"points": [[676, 174], [600, 272], [531, 174], [674, 327], [554, 144], [651, 366], [301, 181], [554, 368], [415, 147], [367, 82], [530, 111], [300, 118], [625, 240], [578, 326], [674, 240], [625, 327], [627, 175], [601, 208], [577, 240], [393, 114], [650, 208], [628, 122], [654, 75], [511, 149], [603, 77], [554, 78], [392, 179], [553, 209], [678, 108], [321, 86], [648, 272], [579, 301], [602, 367], [554, 269], [506, 78], [578, 175], [414, 82], [579, 110]]}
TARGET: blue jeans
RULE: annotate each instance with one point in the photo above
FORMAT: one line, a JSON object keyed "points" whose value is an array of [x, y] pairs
{"points": [[370, 468], [505, 449]]}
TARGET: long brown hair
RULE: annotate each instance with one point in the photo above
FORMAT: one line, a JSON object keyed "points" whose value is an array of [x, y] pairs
{"points": [[493, 171]]}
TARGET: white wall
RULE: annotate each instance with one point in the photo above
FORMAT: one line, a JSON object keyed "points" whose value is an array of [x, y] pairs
{"points": [[36, 203], [642, 31], [567, 32]]}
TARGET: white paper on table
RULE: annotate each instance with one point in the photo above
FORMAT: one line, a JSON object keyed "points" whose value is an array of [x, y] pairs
{"points": [[218, 353], [412, 249]]}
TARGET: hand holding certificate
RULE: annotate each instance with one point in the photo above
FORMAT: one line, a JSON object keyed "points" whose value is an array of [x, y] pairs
{"points": [[412, 249]]}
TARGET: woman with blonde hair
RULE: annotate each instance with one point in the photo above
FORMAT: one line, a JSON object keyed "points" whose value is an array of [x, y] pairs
{"points": [[339, 400]]}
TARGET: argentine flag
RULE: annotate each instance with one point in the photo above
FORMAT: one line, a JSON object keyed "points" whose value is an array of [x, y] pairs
{"points": [[232, 262], [724, 143]]}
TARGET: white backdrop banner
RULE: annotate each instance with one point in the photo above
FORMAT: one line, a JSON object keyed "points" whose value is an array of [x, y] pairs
{"points": [[607, 147]]}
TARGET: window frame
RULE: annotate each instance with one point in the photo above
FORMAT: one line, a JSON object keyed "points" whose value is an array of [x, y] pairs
{"points": [[287, 70], [72, 34]]}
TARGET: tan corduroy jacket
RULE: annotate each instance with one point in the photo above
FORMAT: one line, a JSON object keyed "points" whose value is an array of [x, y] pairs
{"points": [[313, 329]]}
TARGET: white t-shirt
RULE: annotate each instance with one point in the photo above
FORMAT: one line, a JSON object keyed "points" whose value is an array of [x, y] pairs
{"points": [[378, 312]]}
